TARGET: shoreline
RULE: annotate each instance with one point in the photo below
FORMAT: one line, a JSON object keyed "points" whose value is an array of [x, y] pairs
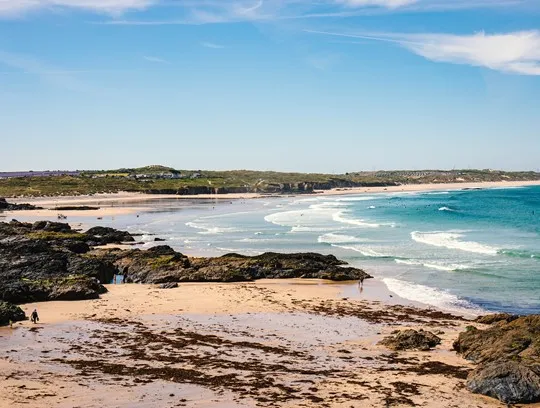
{"points": [[306, 336], [135, 196], [132, 203]]}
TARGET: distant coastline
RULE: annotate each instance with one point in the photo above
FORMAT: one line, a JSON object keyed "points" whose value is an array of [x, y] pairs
{"points": [[160, 180], [133, 202]]}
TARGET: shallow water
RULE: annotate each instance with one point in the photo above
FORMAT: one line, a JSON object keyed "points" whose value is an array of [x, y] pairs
{"points": [[463, 251]]}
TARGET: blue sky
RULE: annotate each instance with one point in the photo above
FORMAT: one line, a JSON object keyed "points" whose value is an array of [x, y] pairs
{"points": [[316, 86]]}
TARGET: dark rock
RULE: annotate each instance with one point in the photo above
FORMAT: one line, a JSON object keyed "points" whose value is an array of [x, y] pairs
{"points": [[76, 288], [159, 240], [160, 250], [51, 226], [5, 206], [43, 261], [108, 235], [49, 260], [518, 339], [76, 208], [10, 312], [495, 318], [508, 354], [411, 340], [509, 381], [162, 264], [168, 285]]}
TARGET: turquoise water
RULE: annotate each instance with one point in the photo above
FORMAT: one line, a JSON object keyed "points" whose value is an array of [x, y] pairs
{"points": [[471, 250]]}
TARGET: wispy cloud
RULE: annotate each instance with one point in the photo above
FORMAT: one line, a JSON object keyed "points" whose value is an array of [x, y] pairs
{"points": [[212, 45], [17, 7], [155, 59], [517, 52], [189, 12], [45, 71]]}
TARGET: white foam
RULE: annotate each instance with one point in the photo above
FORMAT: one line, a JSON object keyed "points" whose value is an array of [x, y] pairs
{"points": [[336, 238], [431, 296], [242, 251], [300, 228], [371, 207], [339, 217], [432, 265], [451, 240], [368, 252], [446, 209], [206, 229]]}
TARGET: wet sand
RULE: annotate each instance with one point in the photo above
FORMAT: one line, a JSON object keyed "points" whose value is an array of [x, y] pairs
{"points": [[267, 344]]}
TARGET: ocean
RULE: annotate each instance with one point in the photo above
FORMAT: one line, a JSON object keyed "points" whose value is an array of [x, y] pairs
{"points": [[465, 251]]}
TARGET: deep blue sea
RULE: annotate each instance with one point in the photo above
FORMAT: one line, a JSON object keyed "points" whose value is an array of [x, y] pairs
{"points": [[466, 250]]}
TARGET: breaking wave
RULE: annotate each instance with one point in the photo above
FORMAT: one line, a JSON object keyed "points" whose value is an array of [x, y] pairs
{"points": [[451, 240], [433, 265], [433, 297]]}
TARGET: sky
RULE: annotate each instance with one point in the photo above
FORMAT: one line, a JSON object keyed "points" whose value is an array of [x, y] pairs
{"points": [[289, 85]]}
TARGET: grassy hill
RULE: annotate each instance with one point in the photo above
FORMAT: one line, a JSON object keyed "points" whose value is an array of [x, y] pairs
{"points": [[161, 179]]}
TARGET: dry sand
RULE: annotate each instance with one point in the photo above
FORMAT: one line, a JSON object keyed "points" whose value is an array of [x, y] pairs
{"points": [[429, 187], [268, 344], [111, 205]]}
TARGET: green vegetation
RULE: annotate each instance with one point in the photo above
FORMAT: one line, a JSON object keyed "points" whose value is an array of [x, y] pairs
{"points": [[161, 261], [160, 179], [53, 236]]}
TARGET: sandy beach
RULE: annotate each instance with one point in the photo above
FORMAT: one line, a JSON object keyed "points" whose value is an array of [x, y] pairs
{"points": [[268, 343], [111, 205]]}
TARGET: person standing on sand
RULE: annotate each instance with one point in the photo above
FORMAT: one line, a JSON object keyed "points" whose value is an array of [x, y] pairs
{"points": [[34, 316], [114, 279]]}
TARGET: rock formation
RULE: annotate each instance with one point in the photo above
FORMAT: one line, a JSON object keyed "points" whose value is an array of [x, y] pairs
{"points": [[5, 206], [508, 358], [10, 313], [50, 261], [411, 340]]}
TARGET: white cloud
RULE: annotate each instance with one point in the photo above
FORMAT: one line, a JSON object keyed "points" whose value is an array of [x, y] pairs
{"points": [[212, 45], [517, 52], [14, 7], [233, 11]]}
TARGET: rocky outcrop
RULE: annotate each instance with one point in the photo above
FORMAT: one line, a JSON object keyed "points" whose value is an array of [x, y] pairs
{"points": [[508, 357], [108, 235], [162, 264], [495, 318], [509, 381], [49, 261], [10, 313], [168, 285], [5, 206], [411, 340]]}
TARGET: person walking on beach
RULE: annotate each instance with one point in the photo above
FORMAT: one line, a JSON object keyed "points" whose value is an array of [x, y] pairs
{"points": [[34, 317]]}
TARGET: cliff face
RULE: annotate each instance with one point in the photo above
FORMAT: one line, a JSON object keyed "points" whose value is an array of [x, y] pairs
{"points": [[270, 188]]}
